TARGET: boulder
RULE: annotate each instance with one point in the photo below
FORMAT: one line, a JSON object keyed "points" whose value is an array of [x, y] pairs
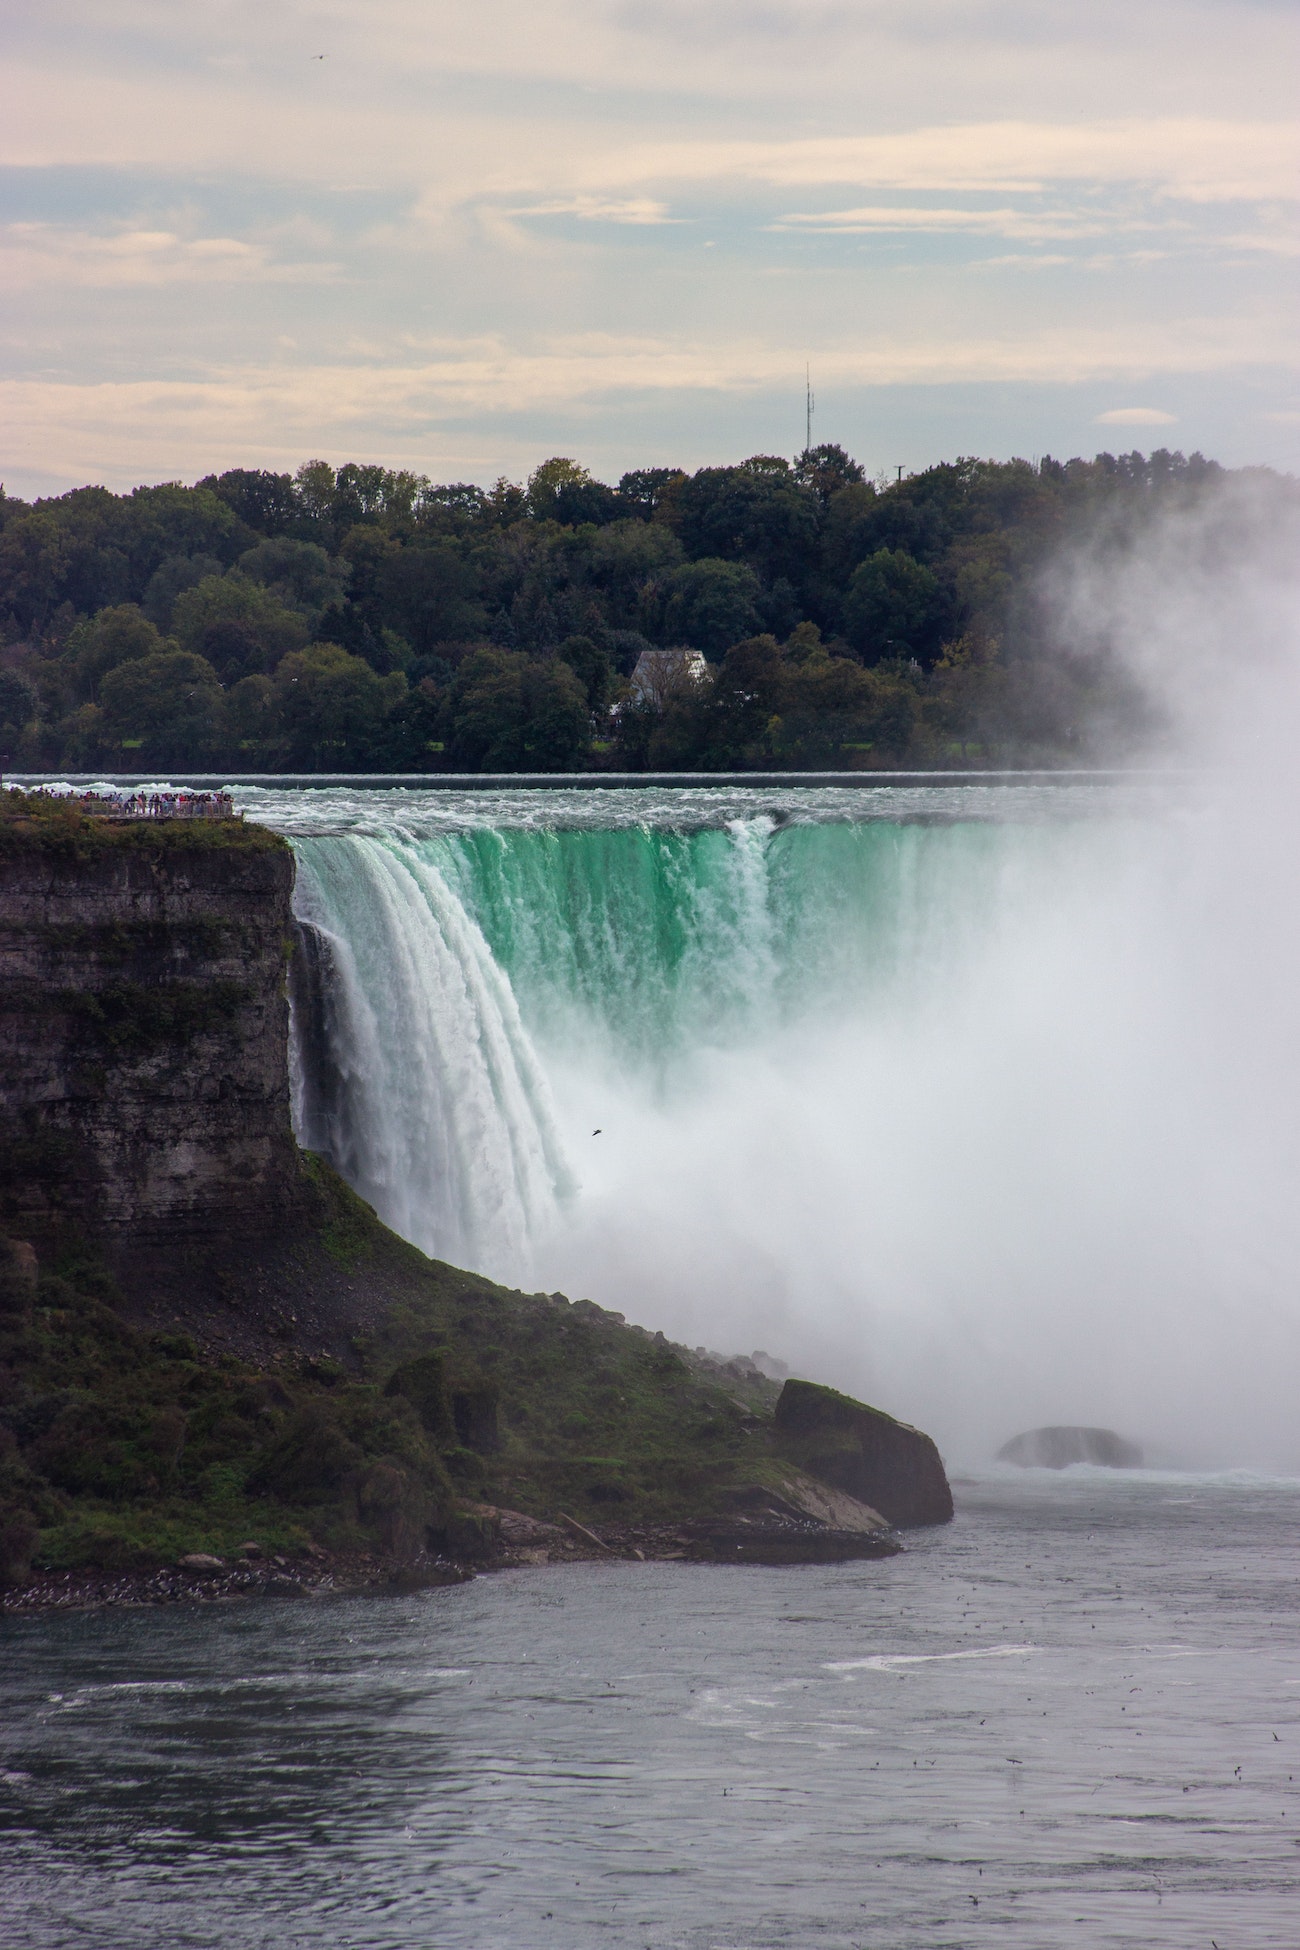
{"points": [[1057, 1448], [200, 1561], [835, 1508], [892, 1468]]}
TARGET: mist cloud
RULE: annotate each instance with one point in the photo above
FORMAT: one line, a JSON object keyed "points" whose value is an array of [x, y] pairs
{"points": [[1047, 1173]]}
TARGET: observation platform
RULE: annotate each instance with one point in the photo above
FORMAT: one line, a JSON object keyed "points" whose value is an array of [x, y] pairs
{"points": [[180, 804]]}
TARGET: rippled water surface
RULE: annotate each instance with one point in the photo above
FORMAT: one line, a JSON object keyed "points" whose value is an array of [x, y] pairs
{"points": [[1073, 1718]]}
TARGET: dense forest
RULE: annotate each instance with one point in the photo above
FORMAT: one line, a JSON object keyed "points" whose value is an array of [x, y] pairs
{"points": [[368, 620]]}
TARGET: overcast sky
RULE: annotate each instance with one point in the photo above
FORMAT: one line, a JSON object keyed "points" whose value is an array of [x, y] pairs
{"points": [[461, 235]]}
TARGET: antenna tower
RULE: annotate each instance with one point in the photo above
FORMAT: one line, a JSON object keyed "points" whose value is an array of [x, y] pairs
{"points": [[808, 409]]}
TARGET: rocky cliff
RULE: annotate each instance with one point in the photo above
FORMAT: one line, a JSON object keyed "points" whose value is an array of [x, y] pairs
{"points": [[143, 1022]]}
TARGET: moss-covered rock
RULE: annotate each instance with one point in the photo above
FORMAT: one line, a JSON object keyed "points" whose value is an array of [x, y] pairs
{"points": [[884, 1463]]}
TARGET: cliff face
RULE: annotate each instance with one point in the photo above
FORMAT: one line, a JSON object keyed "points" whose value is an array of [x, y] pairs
{"points": [[143, 1031]]}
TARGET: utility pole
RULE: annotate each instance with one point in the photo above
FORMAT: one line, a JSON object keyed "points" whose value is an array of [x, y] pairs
{"points": [[808, 409]]}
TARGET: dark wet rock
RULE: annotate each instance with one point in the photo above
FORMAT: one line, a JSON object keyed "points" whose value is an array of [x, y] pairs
{"points": [[770, 1538], [885, 1464], [467, 1537], [1058, 1447]]}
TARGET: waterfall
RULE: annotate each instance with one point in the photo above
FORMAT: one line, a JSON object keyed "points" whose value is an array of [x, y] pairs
{"points": [[413, 1071], [974, 1115], [447, 984]]}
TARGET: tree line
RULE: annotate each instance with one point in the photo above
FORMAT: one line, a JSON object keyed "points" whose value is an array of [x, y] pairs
{"points": [[367, 619]]}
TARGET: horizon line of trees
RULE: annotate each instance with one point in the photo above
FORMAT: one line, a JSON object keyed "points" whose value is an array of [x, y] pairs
{"points": [[364, 618]]}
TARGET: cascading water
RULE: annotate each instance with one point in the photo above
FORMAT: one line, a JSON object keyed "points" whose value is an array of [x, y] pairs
{"points": [[946, 1098], [422, 1085], [448, 980]]}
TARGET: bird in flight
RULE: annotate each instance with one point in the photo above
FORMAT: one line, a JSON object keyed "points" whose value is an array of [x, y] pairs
{"points": [[596, 1132], [318, 57]]}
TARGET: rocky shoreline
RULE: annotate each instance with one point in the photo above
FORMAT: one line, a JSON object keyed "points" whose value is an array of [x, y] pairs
{"points": [[518, 1542], [78, 1591]]}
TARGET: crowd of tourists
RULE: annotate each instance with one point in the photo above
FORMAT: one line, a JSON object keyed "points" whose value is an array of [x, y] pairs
{"points": [[149, 804]]}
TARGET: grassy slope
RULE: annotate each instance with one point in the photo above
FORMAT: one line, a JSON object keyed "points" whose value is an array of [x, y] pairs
{"points": [[130, 1433]]}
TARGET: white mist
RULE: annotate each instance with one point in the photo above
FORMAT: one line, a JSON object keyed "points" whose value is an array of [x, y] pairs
{"points": [[1033, 1156], [1058, 1179]]}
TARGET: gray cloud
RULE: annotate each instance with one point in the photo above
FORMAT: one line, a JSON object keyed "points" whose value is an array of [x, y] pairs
{"points": [[603, 203]]}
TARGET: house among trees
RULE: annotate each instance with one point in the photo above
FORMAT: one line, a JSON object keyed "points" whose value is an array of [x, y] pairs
{"points": [[661, 677]]}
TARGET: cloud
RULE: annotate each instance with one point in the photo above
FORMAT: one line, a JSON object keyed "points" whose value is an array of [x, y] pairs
{"points": [[882, 58], [595, 209], [39, 253], [603, 201], [1135, 416], [1274, 243], [168, 428], [1200, 160], [988, 223]]}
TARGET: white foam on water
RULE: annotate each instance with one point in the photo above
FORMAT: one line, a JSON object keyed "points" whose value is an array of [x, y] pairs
{"points": [[899, 1661]]}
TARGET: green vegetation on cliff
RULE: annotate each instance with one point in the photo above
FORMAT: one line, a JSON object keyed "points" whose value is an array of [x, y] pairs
{"points": [[58, 828], [123, 1447], [132, 1432]]}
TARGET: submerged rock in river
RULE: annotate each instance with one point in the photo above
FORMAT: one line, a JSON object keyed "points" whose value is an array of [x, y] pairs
{"points": [[1057, 1448]]}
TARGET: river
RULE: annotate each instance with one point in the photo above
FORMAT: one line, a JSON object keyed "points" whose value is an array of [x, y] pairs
{"points": [[1071, 1719]]}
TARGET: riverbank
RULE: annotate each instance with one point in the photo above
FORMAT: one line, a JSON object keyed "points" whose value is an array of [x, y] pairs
{"points": [[512, 1541]]}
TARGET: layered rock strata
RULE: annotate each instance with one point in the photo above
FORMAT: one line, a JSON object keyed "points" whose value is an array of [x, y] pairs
{"points": [[144, 1086]]}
